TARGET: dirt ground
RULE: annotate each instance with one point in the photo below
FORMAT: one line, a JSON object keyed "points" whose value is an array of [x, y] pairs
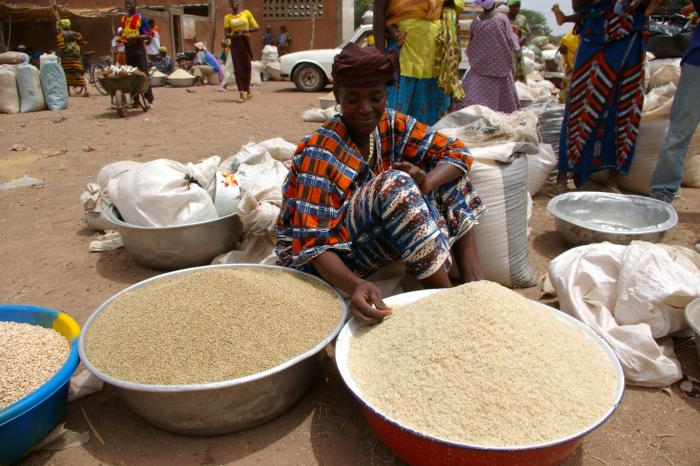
{"points": [[45, 262]]}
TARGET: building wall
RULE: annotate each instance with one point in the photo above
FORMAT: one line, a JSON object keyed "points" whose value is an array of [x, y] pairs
{"points": [[330, 29]]}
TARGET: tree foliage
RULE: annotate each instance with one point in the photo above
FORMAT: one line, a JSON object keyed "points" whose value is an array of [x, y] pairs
{"points": [[536, 22], [360, 7]]}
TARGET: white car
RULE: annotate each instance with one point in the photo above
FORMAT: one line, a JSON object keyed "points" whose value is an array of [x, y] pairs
{"points": [[311, 69]]}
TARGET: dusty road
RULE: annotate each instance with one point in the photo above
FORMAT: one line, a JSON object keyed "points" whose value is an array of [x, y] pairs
{"points": [[45, 261]]}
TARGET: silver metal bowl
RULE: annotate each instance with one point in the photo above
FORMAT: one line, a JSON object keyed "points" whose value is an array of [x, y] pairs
{"points": [[692, 316], [158, 81], [594, 217], [182, 82], [179, 247], [218, 407]]}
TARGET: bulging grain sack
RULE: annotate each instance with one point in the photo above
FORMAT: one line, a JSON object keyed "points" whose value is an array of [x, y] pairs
{"points": [[13, 58], [31, 96], [539, 166], [652, 133], [53, 84], [161, 193], [477, 125], [664, 71], [257, 68], [501, 236], [9, 94], [269, 54]]}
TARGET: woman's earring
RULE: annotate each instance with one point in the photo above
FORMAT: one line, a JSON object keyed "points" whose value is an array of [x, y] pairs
{"points": [[338, 109]]}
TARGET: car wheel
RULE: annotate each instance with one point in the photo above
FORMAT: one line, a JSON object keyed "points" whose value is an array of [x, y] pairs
{"points": [[309, 78]]}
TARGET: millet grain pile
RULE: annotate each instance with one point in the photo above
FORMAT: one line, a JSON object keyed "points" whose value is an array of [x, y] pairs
{"points": [[211, 325], [481, 365], [29, 356]]}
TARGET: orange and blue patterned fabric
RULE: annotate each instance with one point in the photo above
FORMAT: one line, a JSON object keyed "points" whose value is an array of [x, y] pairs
{"points": [[134, 25], [604, 106], [333, 201]]}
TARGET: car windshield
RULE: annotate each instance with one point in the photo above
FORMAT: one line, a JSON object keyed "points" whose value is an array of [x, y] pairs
{"points": [[361, 40]]}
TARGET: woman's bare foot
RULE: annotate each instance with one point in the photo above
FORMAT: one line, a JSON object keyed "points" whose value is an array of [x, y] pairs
{"points": [[558, 14]]}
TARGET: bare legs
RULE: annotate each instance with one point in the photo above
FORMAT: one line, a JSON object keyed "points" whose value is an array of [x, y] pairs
{"points": [[466, 258]]}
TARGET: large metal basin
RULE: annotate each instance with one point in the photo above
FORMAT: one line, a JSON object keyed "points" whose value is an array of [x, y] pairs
{"points": [[594, 217], [419, 449], [179, 247], [218, 407]]}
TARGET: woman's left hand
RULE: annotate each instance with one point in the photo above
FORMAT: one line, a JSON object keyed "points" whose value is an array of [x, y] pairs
{"points": [[416, 173]]}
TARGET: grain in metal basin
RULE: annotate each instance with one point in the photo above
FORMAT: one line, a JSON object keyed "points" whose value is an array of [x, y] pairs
{"points": [[417, 448], [218, 407]]}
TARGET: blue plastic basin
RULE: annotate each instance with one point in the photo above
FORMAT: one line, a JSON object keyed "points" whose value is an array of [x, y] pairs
{"points": [[26, 422]]}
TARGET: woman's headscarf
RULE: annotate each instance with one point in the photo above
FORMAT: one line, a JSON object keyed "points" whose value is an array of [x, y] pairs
{"points": [[63, 23], [512, 2], [485, 4], [357, 66]]}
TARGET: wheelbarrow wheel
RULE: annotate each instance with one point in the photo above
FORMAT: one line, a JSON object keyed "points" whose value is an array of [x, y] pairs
{"points": [[121, 103]]}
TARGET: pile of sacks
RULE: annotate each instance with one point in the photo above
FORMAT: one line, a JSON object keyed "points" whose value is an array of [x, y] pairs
{"points": [[271, 64], [23, 88]]}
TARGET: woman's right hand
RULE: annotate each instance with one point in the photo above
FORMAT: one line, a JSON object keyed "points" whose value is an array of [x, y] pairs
{"points": [[366, 304]]}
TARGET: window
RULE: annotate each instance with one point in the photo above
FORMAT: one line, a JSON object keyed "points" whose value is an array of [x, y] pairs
{"points": [[291, 9]]}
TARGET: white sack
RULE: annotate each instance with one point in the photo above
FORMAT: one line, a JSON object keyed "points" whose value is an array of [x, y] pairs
{"points": [[161, 193], [256, 73], [260, 178], [477, 125], [279, 148], [319, 115], [269, 54], [9, 94], [501, 235], [53, 84], [652, 132], [13, 58], [664, 71], [31, 95], [252, 250], [539, 166], [630, 295]]}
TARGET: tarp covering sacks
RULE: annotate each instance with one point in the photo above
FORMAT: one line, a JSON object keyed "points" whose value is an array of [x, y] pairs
{"points": [[166, 193], [633, 297], [9, 94], [53, 84], [31, 96]]}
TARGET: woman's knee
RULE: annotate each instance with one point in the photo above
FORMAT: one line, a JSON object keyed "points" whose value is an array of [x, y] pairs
{"points": [[392, 180]]}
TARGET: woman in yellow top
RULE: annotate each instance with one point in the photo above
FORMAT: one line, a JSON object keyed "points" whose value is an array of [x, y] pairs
{"points": [[237, 27], [426, 37]]}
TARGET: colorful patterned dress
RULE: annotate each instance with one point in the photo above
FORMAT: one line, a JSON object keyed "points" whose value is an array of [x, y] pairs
{"points": [[68, 43], [489, 81], [417, 93], [604, 106], [373, 215]]}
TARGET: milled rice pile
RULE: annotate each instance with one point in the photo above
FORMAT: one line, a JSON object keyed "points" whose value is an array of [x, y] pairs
{"points": [[29, 356], [211, 325], [481, 365]]}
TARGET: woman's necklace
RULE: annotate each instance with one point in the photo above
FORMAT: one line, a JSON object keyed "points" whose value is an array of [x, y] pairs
{"points": [[372, 160]]}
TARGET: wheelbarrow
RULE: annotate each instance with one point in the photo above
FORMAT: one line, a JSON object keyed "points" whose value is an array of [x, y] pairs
{"points": [[118, 87]]}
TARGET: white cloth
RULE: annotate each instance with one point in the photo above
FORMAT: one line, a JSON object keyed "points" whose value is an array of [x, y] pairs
{"points": [[631, 296], [153, 47]]}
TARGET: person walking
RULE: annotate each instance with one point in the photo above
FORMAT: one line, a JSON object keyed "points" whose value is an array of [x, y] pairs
{"points": [[685, 117], [237, 26], [135, 33], [489, 81], [68, 43]]}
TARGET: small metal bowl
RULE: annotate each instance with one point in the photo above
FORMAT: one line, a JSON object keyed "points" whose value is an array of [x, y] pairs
{"points": [[158, 81], [594, 217], [179, 247], [417, 448], [218, 407]]}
